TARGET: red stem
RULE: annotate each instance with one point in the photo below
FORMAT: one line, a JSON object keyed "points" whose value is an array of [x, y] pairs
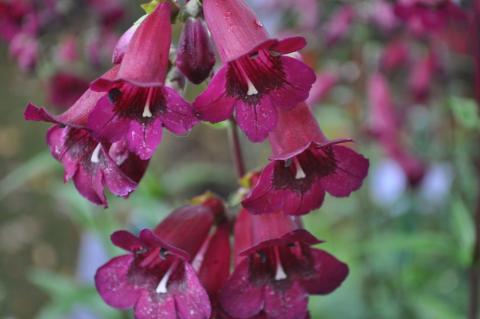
{"points": [[236, 149]]}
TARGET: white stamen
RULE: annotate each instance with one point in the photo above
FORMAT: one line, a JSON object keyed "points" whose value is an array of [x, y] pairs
{"points": [[95, 155], [146, 110], [300, 173], [162, 285], [280, 272], [252, 90]]}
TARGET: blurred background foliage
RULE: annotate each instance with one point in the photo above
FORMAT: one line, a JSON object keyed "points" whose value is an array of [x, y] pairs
{"points": [[408, 244]]}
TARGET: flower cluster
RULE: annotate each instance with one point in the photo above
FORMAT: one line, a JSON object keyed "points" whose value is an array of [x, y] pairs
{"points": [[181, 268]]}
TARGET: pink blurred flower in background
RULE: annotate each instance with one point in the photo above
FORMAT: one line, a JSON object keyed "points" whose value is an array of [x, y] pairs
{"points": [[339, 24], [65, 88]]}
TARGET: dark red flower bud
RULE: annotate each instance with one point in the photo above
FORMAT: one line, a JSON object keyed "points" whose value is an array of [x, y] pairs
{"points": [[195, 57]]}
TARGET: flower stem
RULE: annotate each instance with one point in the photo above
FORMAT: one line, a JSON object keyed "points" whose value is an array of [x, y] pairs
{"points": [[236, 149]]}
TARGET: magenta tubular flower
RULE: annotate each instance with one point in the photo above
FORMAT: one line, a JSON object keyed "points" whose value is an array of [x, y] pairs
{"points": [[138, 104], [24, 49], [383, 123], [325, 82], [278, 270], [12, 18], [421, 76], [195, 55], [91, 164], [385, 128], [339, 24], [156, 278], [395, 55], [425, 17], [304, 165], [257, 79]]}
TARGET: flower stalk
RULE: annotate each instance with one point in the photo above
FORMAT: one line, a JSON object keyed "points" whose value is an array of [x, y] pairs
{"points": [[236, 148]]}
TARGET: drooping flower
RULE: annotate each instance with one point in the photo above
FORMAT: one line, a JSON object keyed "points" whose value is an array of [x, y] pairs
{"points": [[195, 55], [257, 79], [421, 76], [339, 24], [383, 120], [138, 104], [276, 269], [304, 165], [25, 49], [386, 129], [156, 278], [110, 12], [325, 82], [90, 163], [424, 17], [395, 55], [381, 13]]}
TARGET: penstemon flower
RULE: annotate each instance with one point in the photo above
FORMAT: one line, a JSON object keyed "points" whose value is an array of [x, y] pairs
{"points": [[304, 165], [156, 277], [90, 163], [138, 104], [277, 268], [257, 78]]}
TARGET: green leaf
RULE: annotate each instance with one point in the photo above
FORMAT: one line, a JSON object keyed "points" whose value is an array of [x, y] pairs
{"points": [[463, 230], [34, 167], [53, 284], [465, 112]]}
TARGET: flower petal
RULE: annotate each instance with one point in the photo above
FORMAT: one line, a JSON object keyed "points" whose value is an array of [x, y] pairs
{"points": [[283, 302], [328, 275], [144, 138], [298, 81], [263, 198], [178, 116], [117, 182], [300, 202], [89, 182], [105, 123], [126, 240], [151, 305], [240, 297], [213, 104], [113, 284], [289, 45], [351, 169], [191, 299], [257, 120]]}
